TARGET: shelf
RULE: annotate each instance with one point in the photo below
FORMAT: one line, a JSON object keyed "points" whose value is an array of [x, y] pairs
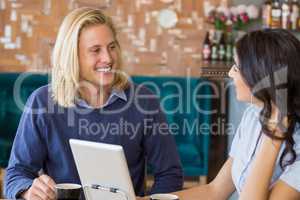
{"points": [[215, 69], [204, 69]]}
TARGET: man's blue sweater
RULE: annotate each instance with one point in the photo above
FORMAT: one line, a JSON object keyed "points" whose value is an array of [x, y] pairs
{"points": [[138, 124]]}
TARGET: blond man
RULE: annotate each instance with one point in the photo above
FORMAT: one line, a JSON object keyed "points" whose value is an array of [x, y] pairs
{"points": [[89, 98]]}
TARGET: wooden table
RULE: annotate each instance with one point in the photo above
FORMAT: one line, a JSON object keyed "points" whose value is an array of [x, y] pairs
{"points": [[1, 181]]}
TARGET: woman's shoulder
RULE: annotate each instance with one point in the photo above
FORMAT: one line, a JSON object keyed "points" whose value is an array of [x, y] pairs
{"points": [[249, 128], [251, 116], [296, 137]]}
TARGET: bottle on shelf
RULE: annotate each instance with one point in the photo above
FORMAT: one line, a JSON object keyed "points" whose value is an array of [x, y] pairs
{"points": [[206, 48], [295, 9], [267, 14], [214, 46], [276, 14], [229, 47], [286, 14], [218, 46], [222, 48]]}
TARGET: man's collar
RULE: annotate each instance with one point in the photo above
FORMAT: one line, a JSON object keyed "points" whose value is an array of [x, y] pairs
{"points": [[114, 95]]}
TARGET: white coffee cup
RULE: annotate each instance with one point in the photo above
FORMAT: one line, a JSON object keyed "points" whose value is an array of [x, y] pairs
{"points": [[164, 197]]}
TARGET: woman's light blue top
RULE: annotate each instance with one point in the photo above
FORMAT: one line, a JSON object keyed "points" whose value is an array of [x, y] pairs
{"points": [[244, 147]]}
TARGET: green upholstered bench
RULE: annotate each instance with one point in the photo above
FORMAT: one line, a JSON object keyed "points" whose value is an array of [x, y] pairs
{"points": [[182, 99], [193, 145], [15, 88]]}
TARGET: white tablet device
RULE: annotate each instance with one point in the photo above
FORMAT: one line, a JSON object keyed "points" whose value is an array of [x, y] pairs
{"points": [[103, 170]]}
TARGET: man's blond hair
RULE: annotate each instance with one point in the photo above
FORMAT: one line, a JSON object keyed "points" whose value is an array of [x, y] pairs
{"points": [[65, 62]]}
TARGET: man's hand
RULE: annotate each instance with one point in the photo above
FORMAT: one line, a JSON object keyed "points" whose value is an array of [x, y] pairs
{"points": [[43, 188]]}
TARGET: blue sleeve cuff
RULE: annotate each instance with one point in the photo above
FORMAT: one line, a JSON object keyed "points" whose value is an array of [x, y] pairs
{"points": [[18, 187]]}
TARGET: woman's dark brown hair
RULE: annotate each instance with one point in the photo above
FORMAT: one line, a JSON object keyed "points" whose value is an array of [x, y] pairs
{"points": [[270, 65]]}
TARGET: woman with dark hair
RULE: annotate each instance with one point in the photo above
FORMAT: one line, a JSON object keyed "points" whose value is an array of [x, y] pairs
{"points": [[264, 160]]}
